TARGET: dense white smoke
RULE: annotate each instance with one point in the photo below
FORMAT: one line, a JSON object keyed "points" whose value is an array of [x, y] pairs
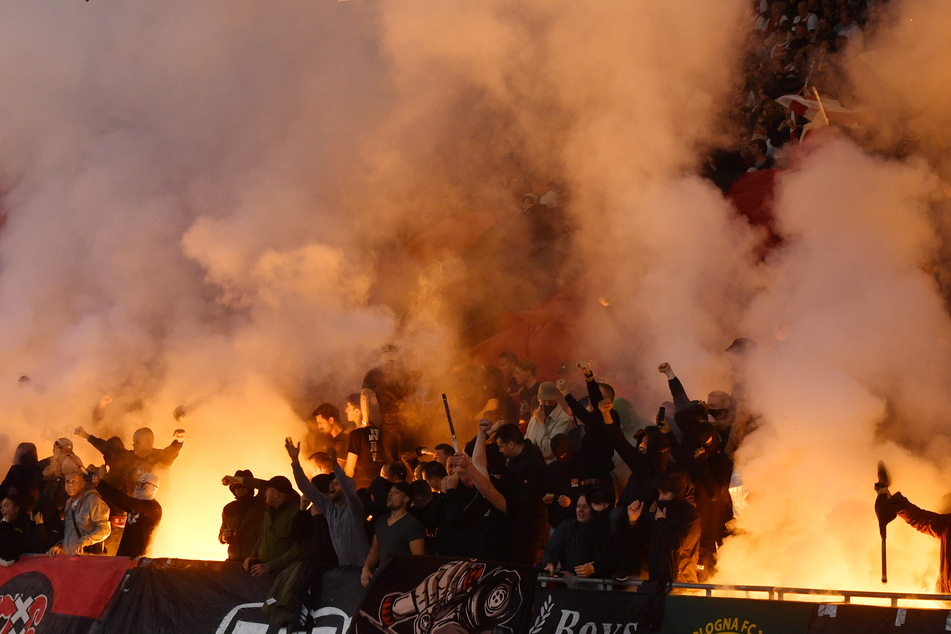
{"points": [[175, 234], [851, 361]]}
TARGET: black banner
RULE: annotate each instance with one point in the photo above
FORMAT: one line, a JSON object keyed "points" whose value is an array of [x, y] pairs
{"points": [[564, 611], [829, 619], [411, 595], [416, 595], [561, 610], [713, 615], [174, 595]]}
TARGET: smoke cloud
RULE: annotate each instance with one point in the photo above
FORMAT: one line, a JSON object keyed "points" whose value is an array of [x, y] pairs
{"points": [[230, 207]]}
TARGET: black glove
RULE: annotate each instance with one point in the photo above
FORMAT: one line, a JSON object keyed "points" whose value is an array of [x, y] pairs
{"points": [[899, 502]]}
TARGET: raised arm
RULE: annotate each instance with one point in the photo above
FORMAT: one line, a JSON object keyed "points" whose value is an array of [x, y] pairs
{"points": [[482, 483], [349, 488], [479, 459], [676, 387], [306, 487]]}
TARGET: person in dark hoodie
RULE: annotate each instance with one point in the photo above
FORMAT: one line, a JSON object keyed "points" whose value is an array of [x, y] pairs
{"points": [[675, 532], [595, 453], [24, 478], [710, 470], [562, 480], [582, 546], [650, 459]]}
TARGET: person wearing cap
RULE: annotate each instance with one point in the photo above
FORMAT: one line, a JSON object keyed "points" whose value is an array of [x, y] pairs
{"points": [[398, 533], [675, 533], [279, 543], [241, 518], [87, 520], [144, 513], [548, 420]]}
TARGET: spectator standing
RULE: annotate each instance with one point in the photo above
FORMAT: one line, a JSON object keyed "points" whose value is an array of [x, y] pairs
{"points": [[327, 423], [390, 385], [930, 523], [398, 533], [144, 513], [241, 519], [522, 483], [353, 413], [24, 478], [52, 501], [548, 420], [364, 457], [278, 544], [506, 364], [525, 371], [675, 532], [87, 520], [340, 505]]}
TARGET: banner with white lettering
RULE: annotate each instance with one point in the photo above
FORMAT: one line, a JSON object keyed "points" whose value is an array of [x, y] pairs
{"points": [[714, 615], [560, 610], [191, 597], [416, 595]]}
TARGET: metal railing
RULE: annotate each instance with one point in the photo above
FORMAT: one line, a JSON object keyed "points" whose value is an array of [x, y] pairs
{"points": [[769, 593]]}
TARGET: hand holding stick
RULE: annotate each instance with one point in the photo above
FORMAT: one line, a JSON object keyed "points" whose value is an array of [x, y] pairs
{"points": [[452, 430]]}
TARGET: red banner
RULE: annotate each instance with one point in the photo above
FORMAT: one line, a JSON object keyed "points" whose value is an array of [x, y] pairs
{"points": [[39, 594]]}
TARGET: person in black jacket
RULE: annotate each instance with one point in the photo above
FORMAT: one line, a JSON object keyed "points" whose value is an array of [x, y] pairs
{"points": [[563, 481], [582, 546], [24, 478], [710, 470], [241, 519], [595, 454], [675, 532], [18, 534], [144, 513], [522, 483]]}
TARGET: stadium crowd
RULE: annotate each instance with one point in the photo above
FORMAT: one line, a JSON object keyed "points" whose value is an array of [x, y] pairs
{"points": [[537, 485], [556, 476]]}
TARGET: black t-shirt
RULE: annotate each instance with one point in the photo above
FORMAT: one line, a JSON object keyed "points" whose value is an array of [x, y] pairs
{"points": [[527, 401], [365, 443], [395, 539], [144, 517], [390, 384]]}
